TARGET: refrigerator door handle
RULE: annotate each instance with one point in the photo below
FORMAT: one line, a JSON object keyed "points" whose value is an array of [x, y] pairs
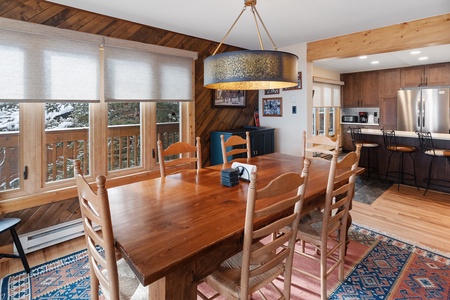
{"points": [[423, 112]]}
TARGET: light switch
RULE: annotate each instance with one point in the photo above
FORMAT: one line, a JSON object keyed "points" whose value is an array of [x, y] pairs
{"points": [[294, 110]]}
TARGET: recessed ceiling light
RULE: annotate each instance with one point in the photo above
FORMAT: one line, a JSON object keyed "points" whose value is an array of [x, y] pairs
{"points": [[423, 58], [415, 52], [363, 57], [375, 62]]}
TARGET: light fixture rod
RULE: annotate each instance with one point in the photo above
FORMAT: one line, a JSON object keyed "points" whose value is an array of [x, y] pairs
{"points": [[257, 27], [265, 29], [226, 35]]}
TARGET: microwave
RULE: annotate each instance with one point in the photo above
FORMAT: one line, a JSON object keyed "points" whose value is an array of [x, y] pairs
{"points": [[350, 119]]}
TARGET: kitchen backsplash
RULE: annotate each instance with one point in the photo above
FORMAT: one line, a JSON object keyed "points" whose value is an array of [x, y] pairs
{"points": [[356, 110]]}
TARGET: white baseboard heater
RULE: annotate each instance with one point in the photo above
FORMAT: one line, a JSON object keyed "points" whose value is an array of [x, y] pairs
{"points": [[52, 235]]}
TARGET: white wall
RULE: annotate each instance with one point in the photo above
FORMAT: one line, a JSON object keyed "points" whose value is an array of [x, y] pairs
{"points": [[289, 127]]}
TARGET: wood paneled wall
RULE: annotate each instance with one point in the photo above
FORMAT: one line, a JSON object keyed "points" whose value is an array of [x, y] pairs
{"points": [[207, 118]]}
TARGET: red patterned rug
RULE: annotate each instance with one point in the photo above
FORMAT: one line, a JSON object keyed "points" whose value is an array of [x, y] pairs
{"points": [[377, 267]]}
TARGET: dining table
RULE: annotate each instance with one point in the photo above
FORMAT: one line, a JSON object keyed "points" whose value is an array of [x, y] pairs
{"points": [[176, 230]]}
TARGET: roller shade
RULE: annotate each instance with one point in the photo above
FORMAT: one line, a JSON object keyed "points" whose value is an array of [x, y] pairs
{"points": [[42, 64], [326, 95], [138, 75]]}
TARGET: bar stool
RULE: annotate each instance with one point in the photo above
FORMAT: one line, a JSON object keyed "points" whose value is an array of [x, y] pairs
{"points": [[390, 143], [367, 147], [10, 223], [427, 147]]}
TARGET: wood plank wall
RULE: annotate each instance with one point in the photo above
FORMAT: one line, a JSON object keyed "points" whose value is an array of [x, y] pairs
{"points": [[207, 118]]}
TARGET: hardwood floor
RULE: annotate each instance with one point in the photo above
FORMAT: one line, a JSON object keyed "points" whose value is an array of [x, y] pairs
{"points": [[406, 214]]}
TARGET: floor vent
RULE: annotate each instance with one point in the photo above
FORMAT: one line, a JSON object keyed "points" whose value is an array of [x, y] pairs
{"points": [[52, 235]]}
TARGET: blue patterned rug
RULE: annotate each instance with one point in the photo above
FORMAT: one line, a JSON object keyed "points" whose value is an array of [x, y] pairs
{"points": [[393, 269]]}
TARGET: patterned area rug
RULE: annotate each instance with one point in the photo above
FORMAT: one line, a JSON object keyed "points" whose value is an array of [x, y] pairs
{"points": [[377, 267], [393, 269]]}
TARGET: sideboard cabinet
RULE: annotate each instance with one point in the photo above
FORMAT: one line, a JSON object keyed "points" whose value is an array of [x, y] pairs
{"points": [[262, 141]]}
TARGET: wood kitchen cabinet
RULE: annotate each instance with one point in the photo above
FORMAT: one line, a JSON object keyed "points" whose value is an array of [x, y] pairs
{"points": [[429, 75], [389, 82], [361, 89]]}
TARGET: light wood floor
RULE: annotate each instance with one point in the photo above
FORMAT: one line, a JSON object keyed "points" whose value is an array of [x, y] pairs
{"points": [[407, 214]]}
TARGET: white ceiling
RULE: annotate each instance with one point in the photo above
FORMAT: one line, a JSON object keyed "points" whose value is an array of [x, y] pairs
{"points": [[289, 22]]}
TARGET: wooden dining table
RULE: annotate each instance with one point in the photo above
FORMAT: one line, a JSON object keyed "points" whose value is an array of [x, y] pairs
{"points": [[176, 230]]}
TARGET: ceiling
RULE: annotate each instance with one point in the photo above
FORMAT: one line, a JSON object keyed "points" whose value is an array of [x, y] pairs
{"points": [[289, 22]]}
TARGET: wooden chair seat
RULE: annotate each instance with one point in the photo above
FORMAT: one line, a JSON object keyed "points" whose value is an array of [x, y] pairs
{"points": [[267, 251], [401, 148]]}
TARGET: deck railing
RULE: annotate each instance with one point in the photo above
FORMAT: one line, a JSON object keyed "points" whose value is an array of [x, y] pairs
{"points": [[64, 145]]}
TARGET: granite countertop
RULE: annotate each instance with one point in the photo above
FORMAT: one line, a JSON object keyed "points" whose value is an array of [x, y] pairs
{"points": [[410, 134]]}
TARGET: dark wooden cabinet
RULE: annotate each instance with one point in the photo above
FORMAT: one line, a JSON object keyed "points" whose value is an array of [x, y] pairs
{"points": [[389, 82], [361, 89], [429, 75], [262, 141]]}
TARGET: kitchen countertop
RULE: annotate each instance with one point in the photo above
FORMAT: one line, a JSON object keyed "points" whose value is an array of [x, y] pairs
{"points": [[361, 124], [410, 134]]}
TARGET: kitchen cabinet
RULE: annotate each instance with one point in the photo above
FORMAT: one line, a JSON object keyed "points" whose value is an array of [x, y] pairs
{"points": [[389, 83], [429, 75], [388, 113], [262, 141], [361, 89]]}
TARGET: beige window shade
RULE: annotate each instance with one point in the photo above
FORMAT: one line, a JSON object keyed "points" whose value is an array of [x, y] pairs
{"points": [[135, 75], [326, 94], [43, 65]]}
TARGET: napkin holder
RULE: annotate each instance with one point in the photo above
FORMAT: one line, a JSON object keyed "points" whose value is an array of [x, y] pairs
{"points": [[245, 170]]}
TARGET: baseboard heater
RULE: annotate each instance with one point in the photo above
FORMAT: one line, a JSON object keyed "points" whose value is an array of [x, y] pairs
{"points": [[52, 235]]}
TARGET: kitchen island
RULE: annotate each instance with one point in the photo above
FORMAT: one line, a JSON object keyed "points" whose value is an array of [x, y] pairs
{"points": [[441, 165]]}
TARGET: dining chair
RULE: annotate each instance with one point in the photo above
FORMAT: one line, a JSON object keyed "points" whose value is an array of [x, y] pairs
{"points": [[268, 246], [427, 147], [232, 141], [10, 224], [326, 229], [184, 153], [115, 278], [319, 145]]}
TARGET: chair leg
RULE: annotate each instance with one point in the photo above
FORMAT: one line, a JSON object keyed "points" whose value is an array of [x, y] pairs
{"points": [[389, 164], [414, 171], [429, 176], [400, 171], [22, 255]]}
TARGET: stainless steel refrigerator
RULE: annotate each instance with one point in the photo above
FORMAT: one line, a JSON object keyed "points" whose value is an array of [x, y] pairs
{"points": [[423, 109]]}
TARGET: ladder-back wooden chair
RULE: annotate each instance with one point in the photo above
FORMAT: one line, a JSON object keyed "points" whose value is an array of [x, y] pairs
{"points": [[115, 278], [267, 253], [326, 230], [187, 155], [232, 141], [319, 145]]}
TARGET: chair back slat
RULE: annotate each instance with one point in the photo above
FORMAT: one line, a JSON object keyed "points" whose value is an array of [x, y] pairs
{"points": [[232, 141], [187, 154]]}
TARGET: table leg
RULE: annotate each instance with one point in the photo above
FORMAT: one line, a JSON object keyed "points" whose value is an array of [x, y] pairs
{"points": [[177, 285]]}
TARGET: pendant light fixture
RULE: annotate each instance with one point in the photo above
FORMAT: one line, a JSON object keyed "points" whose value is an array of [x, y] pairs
{"points": [[250, 69]]}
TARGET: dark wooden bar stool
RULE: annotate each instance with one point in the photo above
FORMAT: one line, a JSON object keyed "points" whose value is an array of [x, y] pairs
{"points": [[427, 147], [390, 143], [367, 148], [10, 223]]}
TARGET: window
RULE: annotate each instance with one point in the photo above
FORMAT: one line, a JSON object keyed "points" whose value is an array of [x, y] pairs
{"points": [[326, 101], [9, 146], [70, 109]]}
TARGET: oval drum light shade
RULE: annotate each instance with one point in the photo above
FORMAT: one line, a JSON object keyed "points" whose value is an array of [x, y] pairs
{"points": [[250, 69]]}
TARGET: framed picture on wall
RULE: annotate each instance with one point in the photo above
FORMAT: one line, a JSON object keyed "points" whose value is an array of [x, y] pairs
{"points": [[229, 98], [272, 107], [271, 91], [299, 83]]}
